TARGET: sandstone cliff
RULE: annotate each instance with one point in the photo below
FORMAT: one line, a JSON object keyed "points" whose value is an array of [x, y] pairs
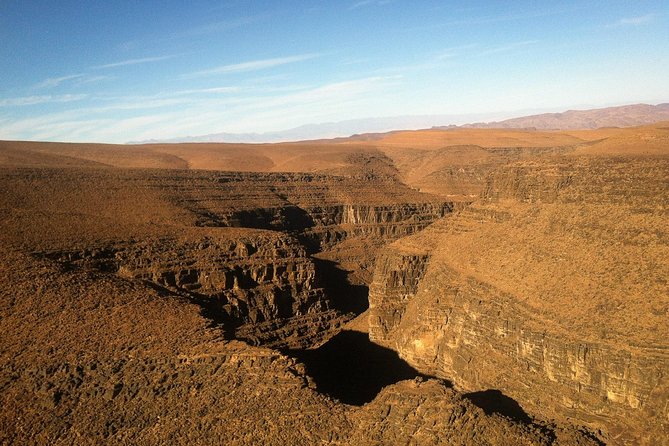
{"points": [[550, 289], [96, 358]]}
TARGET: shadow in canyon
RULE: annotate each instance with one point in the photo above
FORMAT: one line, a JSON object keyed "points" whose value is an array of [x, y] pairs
{"points": [[344, 296], [352, 369], [349, 367], [210, 309], [286, 218], [494, 401]]}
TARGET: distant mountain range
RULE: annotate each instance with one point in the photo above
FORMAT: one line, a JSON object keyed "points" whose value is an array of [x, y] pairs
{"points": [[329, 130], [623, 116]]}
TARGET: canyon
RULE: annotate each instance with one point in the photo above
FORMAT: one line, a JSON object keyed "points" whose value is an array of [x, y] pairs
{"points": [[458, 286]]}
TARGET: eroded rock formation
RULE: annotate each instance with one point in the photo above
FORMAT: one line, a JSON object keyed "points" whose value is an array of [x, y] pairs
{"points": [[532, 278], [539, 287]]}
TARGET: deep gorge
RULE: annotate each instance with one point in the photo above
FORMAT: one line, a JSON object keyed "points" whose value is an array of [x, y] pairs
{"points": [[505, 305]]}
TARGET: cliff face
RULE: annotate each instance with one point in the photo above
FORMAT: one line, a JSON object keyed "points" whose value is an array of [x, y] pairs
{"points": [[324, 226], [241, 245], [97, 358], [537, 291], [467, 331], [261, 286], [258, 285], [396, 279], [322, 211], [100, 359]]}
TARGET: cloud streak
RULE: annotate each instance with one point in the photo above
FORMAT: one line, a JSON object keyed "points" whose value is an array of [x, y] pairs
{"points": [[251, 65], [364, 3], [221, 26], [449, 53], [189, 112], [76, 79], [56, 81], [634, 21], [458, 53], [34, 100], [218, 27], [507, 47], [93, 79], [502, 18], [213, 90], [127, 62]]}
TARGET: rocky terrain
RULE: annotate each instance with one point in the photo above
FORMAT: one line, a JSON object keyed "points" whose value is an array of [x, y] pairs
{"points": [[199, 293], [555, 280]]}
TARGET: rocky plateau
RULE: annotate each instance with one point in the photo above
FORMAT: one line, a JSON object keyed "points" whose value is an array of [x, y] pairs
{"points": [[464, 286]]}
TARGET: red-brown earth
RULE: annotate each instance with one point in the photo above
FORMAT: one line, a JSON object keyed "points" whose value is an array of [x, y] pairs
{"points": [[218, 293]]}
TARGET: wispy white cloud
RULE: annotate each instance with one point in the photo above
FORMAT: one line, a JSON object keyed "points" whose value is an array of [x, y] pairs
{"points": [[135, 61], [213, 90], [507, 47], [423, 65], [449, 53], [56, 81], [280, 111], [331, 91], [134, 125], [220, 26], [138, 103], [362, 3], [81, 125], [189, 112], [251, 65], [447, 56], [81, 78], [634, 21], [205, 29], [498, 18], [281, 88], [93, 79], [267, 79], [33, 100]]}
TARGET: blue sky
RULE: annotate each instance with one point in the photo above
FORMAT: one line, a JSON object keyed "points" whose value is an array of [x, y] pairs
{"points": [[114, 71]]}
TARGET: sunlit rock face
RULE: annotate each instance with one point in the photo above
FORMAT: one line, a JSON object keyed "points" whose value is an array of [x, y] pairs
{"points": [[549, 289]]}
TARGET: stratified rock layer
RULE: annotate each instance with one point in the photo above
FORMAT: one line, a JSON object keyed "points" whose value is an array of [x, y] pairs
{"points": [[259, 285], [95, 358], [238, 244], [538, 290]]}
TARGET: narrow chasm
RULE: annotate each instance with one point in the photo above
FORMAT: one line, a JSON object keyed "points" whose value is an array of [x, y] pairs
{"points": [[346, 297], [348, 366], [351, 368], [297, 287]]}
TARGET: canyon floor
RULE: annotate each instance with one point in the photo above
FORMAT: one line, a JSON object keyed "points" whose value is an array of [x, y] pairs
{"points": [[463, 286]]}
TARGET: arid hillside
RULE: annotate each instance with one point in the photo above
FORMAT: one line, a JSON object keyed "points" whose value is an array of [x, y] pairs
{"points": [[465, 286], [622, 116]]}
